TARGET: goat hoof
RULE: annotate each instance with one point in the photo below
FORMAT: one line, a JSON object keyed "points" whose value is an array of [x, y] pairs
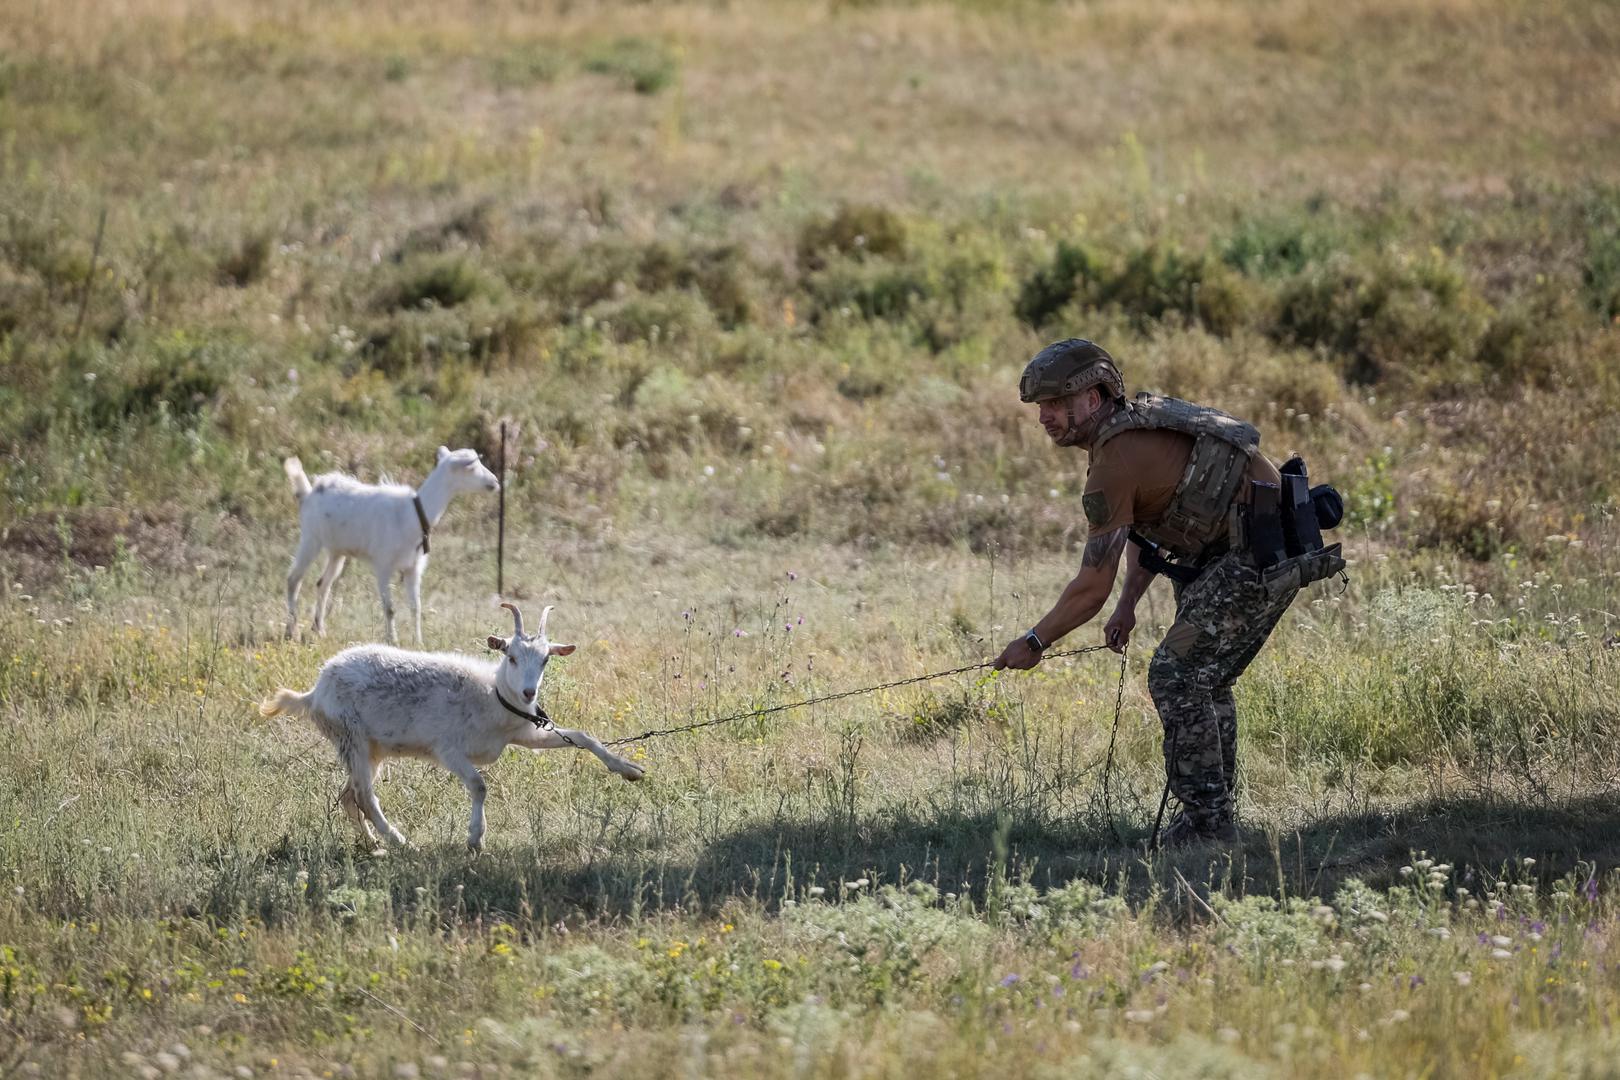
{"points": [[632, 773]]}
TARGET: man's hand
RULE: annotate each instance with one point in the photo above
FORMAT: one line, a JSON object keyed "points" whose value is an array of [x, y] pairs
{"points": [[1117, 632], [1017, 655]]}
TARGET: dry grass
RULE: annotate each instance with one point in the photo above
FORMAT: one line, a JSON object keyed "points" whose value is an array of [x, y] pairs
{"points": [[750, 279]]}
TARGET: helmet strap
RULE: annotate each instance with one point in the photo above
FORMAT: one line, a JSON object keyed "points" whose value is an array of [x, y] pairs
{"points": [[1081, 432]]}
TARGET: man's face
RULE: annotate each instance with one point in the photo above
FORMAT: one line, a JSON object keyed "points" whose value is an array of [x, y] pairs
{"points": [[1056, 413]]}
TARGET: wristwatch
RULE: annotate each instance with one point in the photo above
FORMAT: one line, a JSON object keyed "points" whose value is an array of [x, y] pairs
{"points": [[1033, 640]]}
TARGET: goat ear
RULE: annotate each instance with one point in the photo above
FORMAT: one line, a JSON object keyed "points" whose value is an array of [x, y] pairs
{"points": [[444, 452], [496, 643], [561, 650]]}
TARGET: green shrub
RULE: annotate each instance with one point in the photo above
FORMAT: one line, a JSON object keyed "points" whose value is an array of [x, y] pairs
{"points": [[720, 273], [661, 318], [859, 231], [1271, 247], [1532, 338], [178, 379], [1050, 287], [1147, 284], [872, 290], [480, 331], [1157, 281], [1413, 317], [1601, 270]]}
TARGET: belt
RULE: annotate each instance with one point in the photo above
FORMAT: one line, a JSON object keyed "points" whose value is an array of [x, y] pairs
{"points": [[1186, 573]]}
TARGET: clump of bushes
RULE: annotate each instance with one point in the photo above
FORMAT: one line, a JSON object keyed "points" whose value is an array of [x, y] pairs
{"points": [[579, 279], [1274, 247], [1148, 284], [860, 231], [179, 378], [1412, 317], [1601, 272], [482, 331], [1533, 339]]}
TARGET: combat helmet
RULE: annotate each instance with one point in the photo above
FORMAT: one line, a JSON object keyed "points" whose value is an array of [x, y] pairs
{"points": [[1068, 367]]}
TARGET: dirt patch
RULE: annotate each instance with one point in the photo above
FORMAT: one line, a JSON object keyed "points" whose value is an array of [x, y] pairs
{"points": [[93, 536]]}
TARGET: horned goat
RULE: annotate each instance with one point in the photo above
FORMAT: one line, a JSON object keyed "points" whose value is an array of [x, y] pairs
{"points": [[375, 702], [388, 524]]}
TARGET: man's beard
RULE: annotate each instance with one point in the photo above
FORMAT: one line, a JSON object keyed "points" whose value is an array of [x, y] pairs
{"points": [[1080, 432]]}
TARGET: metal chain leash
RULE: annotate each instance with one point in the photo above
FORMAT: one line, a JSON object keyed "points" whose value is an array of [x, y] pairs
{"points": [[655, 733], [1108, 762]]}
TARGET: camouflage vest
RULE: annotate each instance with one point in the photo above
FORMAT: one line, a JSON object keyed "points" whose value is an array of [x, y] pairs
{"points": [[1222, 447]]}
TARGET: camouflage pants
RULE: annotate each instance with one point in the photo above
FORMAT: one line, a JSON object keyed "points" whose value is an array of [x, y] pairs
{"points": [[1222, 620]]}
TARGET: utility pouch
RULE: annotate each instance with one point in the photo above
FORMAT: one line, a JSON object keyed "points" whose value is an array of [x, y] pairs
{"points": [[1298, 571], [1301, 532], [1265, 527]]}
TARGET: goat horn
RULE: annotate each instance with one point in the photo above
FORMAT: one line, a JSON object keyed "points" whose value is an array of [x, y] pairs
{"points": [[545, 613], [517, 618]]}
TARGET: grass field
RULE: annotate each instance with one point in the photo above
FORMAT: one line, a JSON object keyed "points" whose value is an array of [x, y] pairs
{"points": [[751, 285]]}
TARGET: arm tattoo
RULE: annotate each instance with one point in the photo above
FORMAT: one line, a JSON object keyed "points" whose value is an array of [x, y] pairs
{"points": [[1104, 547]]}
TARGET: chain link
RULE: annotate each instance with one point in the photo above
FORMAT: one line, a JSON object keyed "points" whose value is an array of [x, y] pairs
{"points": [[655, 733]]}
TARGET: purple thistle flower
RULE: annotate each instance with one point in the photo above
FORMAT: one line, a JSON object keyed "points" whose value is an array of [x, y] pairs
{"points": [[1591, 889], [793, 575], [1009, 979]]}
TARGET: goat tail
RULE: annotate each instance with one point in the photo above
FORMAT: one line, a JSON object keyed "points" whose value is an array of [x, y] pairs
{"points": [[285, 701], [295, 473]]}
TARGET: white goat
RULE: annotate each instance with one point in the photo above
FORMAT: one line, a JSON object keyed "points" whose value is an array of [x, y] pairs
{"points": [[375, 702], [386, 523]]}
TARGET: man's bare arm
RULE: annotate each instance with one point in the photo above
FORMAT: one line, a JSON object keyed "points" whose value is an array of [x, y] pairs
{"points": [[1083, 597], [1137, 579]]}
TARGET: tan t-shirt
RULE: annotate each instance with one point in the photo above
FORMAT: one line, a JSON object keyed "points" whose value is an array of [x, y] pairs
{"points": [[1134, 475]]}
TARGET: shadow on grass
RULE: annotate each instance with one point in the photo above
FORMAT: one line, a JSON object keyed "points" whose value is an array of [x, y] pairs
{"points": [[764, 863]]}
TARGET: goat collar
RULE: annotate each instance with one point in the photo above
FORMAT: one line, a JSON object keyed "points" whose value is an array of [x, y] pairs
{"points": [[538, 718], [421, 517]]}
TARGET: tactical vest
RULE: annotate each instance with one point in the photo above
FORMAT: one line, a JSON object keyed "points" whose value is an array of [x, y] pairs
{"points": [[1222, 447]]}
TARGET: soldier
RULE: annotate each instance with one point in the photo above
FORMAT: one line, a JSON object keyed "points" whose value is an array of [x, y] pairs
{"points": [[1182, 490]]}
